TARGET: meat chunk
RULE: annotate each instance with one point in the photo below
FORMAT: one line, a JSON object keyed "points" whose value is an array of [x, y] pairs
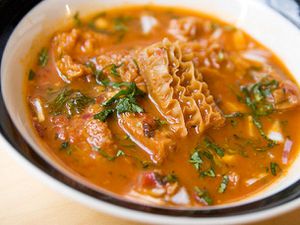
{"points": [[287, 96], [156, 142], [71, 49], [128, 68], [177, 88], [184, 29], [69, 69]]}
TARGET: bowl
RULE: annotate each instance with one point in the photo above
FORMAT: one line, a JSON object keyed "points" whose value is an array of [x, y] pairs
{"points": [[20, 140]]}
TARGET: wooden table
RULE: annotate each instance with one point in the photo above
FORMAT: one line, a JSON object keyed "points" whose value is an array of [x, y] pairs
{"points": [[25, 200]]}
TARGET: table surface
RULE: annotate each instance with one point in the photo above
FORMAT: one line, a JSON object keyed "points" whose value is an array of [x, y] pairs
{"points": [[25, 200]]}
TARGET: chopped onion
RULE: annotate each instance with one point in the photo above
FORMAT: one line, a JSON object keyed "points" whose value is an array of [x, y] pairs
{"points": [[276, 136], [181, 197], [255, 179], [275, 132], [38, 108], [286, 150], [148, 22], [256, 55]]}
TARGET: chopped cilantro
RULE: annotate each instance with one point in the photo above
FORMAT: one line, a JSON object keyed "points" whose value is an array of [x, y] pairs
{"points": [[170, 178], [113, 69], [119, 24], [128, 104], [64, 145], [274, 167], [103, 115], [203, 195], [31, 75], [107, 156], [69, 102], [223, 185], [208, 173], [77, 20], [43, 57], [234, 115], [213, 146], [160, 122], [120, 153], [196, 160], [131, 92]]}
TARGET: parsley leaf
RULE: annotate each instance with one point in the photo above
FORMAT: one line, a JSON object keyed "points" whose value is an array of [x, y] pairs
{"points": [[43, 57]]}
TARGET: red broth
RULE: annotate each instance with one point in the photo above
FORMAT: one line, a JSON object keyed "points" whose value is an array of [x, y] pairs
{"points": [[234, 140]]}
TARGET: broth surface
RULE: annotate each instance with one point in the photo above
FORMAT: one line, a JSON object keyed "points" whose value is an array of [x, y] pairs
{"points": [[243, 141]]}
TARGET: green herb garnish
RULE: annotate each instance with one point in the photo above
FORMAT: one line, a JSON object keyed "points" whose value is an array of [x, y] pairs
{"points": [[170, 178], [234, 115], [113, 69], [31, 75], [43, 57], [66, 146], [103, 115], [213, 146], [160, 122], [107, 156], [77, 20], [196, 160], [203, 195], [274, 167], [69, 102], [208, 173], [223, 185]]}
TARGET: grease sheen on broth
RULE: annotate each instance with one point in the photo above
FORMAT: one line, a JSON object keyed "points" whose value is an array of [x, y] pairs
{"points": [[165, 105]]}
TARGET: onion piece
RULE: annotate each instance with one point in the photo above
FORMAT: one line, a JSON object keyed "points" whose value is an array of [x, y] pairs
{"points": [[38, 108], [276, 136], [286, 150], [147, 23], [256, 55], [252, 181], [181, 197]]}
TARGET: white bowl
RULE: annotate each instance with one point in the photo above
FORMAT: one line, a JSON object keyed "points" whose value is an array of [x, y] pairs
{"points": [[262, 23]]}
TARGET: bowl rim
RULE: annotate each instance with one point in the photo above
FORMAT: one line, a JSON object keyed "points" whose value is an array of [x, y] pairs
{"points": [[130, 210]]}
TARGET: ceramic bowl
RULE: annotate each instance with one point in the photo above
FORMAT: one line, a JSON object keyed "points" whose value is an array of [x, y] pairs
{"points": [[264, 24]]}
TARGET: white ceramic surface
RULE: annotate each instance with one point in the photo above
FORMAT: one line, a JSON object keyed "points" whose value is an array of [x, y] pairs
{"points": [[260, 22]]}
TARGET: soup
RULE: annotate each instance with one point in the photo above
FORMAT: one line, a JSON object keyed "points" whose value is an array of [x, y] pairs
{"points": [[165, 106]]}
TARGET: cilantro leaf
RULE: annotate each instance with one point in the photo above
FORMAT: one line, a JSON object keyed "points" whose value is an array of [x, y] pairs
{"points": [[103, 115], [31, 75], [223, 185], [203, 196], [208, 173], [196, 160], [128, 104], [213, 146], [43, 57], [274, 167], [69, 102]]}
